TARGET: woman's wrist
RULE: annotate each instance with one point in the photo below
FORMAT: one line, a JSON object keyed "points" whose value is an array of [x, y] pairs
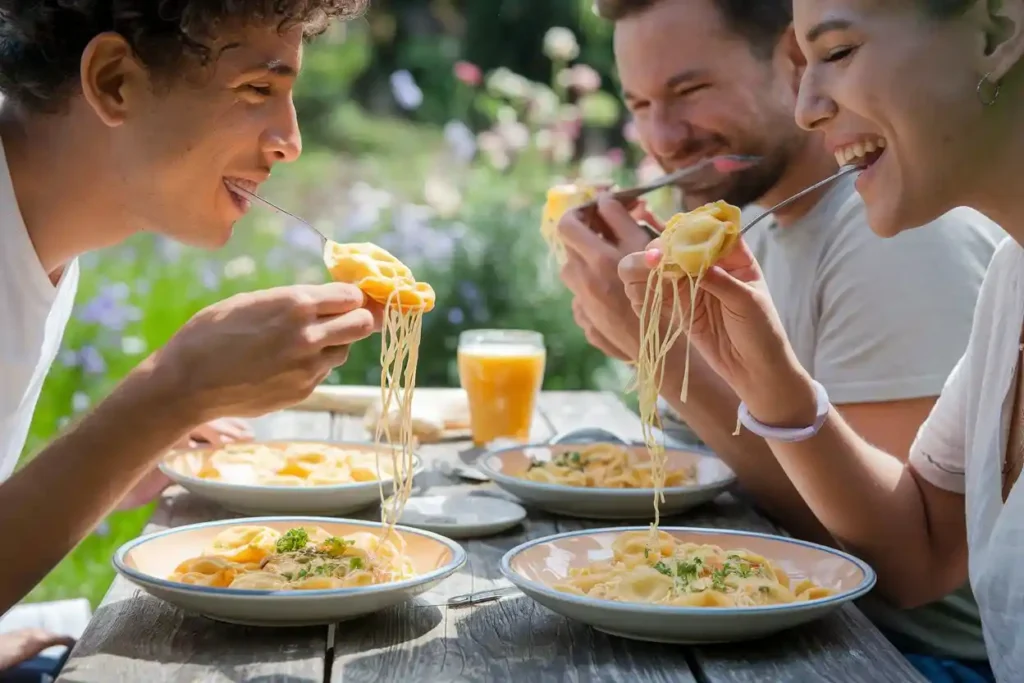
{"points": [[787, 401]]}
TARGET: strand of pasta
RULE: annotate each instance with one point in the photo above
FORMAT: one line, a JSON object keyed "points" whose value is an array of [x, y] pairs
{"points": [[650, 374], [400, 341]]}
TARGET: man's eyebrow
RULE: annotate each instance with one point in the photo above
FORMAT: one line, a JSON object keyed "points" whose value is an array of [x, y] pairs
{"points": [[675, 81], [826, 26], [276, 67]]}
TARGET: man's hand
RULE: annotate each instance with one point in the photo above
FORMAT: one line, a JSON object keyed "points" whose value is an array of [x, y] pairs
{"points": [[596, 240], [20, 646], [214, 433], [262, 351]]}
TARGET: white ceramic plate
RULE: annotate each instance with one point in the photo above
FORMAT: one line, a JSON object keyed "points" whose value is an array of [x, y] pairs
{"points": [[462, 516], [148, 560], [502, 466], [253, 499], [536, 565]]}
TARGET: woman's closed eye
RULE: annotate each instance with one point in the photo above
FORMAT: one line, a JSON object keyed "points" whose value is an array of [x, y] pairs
{"points": [[838, 54]]}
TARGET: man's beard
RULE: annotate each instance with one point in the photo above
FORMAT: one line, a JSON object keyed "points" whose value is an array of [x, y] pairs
{"points": [[741, 188]]}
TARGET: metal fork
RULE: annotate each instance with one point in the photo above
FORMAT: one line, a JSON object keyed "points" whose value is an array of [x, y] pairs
{"points": [[275, 207], [724, 164], [845, 170]]}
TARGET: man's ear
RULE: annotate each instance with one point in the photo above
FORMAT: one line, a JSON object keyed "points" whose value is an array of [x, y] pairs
{"points": [[112, 77], [790, 58]]}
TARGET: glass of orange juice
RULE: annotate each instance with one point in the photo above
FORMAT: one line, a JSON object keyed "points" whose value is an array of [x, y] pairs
{"points": [[501, 372]]}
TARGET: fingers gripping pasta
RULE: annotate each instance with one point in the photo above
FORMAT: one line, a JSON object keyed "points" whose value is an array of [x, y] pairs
{"points": [[691, 243], [562, 198], [668, 572], [385, 279], [260, 558], [603, 465]]}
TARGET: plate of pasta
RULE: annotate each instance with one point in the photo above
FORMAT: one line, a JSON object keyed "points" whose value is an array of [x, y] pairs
{"points": [[686, 585], [605, 480], [287, 571], [289, 477]]}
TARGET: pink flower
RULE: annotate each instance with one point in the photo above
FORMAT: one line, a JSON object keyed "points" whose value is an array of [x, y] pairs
{"points": [[616, 156], [584, 78], [468, 73], [629, 132]]}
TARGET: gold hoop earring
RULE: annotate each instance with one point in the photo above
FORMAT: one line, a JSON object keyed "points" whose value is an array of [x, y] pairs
{"points": [[989, 99]]}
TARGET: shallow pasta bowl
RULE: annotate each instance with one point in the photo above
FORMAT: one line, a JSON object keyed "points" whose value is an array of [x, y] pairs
{"points": [[148, 560], [505, 467], [534, 567], [257, 499]]}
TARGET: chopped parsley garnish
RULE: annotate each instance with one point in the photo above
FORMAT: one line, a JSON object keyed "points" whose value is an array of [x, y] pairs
{"points": [[662, 568], [718, 578], [688, 571], [572, 460], [293, 540], [356, 563]]}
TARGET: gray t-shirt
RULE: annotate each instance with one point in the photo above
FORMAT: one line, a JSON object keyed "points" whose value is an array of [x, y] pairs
{"points": [[876, 320]]}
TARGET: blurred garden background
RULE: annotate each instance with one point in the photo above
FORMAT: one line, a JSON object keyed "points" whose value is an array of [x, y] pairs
{"points": [[431, 127]]}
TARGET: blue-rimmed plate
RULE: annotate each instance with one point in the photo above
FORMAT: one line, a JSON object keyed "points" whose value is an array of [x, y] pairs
{"points": [[534, 567], [248, 498], [505, 466], [148, 561]]}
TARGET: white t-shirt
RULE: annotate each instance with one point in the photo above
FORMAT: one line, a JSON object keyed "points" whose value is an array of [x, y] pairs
{"points": [[33, 315], [961, 448]]}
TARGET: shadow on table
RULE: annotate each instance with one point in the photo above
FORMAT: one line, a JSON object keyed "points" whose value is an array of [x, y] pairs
{"points": [[512, 640], [152, 638]]}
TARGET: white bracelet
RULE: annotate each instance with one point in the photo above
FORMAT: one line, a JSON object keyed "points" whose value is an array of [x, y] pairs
{"points": [[789, 435]]}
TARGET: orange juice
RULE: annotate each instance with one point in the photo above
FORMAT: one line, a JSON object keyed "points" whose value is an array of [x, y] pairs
{"points": [[501, 383]]}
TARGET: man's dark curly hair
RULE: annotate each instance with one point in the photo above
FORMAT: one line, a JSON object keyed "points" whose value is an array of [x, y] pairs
{"points": [[42, 41]]}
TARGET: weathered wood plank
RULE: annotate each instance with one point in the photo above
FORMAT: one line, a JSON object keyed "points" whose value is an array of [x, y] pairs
{"points": [[845, 646], [134, 637], [841, 648]]}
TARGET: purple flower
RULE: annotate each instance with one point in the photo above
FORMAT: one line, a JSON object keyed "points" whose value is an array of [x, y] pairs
{"points": [[209, 276], [92, 361], [79, 402], [69, 358], [406, 92], [109, 308], [456, 316]]}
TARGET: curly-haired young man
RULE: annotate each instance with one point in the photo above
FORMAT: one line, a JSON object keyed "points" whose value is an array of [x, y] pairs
{"points": [[121, 116]]}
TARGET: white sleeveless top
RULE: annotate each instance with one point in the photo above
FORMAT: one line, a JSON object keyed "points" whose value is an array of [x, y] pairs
{"points": [[961, 446]]}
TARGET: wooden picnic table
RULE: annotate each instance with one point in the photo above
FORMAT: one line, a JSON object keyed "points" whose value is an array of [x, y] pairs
{"points": [[137, 638]]}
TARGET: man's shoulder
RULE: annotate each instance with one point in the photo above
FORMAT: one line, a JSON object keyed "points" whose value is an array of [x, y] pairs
{"points": [[962, 236]]}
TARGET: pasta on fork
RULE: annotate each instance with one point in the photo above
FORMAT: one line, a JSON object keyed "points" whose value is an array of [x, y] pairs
{"points": [[388, 281], [560, 199], [691, 243]]}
